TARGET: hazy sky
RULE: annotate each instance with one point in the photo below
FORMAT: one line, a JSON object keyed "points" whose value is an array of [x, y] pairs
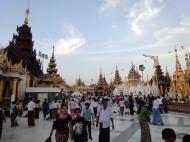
{"points": [[93, 34]]}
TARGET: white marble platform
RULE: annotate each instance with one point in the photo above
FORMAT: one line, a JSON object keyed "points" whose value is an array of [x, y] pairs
{"points": [[126, 129]]}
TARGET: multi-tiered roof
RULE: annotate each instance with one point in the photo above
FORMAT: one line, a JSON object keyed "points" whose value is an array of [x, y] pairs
{"points": [[20, 48], [133, 77], [117, 78], [52, 64]]}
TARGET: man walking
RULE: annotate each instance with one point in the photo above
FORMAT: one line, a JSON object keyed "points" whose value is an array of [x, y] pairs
{"points": [[31, 108], [103, 117]]}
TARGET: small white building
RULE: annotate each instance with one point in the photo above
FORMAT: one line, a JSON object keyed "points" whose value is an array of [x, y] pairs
{"points": [[42, 93]]}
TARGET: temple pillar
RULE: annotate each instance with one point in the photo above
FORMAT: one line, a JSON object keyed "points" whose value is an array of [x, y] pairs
{"points": [[18, 89], [14, 90]]}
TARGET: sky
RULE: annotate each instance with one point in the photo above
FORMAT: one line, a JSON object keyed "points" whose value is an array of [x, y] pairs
{"points": [[90, 35]]}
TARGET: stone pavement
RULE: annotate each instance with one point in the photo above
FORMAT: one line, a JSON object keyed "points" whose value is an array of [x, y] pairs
{"points": [[126, 129]]}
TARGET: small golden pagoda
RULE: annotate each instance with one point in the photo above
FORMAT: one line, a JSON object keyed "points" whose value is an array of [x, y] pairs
{"points": [[180, 81], [117, 78], [102, 87], [134, 78]]}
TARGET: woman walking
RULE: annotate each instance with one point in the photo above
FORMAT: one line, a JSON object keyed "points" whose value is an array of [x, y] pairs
{"points": [[156, 119], [144, 118], [62, 125]]}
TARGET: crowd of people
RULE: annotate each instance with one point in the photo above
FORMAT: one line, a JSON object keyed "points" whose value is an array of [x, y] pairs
{"points": [[74, 117]]}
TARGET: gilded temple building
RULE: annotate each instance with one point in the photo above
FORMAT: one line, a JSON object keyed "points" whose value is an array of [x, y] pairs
{"points": [[134, 78], [117, 78], [101, 88], [180, 82], [12, 80]]}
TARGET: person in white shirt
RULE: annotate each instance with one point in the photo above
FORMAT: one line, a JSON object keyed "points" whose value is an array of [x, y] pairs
{"points": [[94, 105], [160, 99], [122, 106], [104, 116], [156, 118], [31, 107], [55, 107]]}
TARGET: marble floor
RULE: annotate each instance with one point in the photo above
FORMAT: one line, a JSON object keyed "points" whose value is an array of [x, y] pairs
{"points": [[126, 129]]}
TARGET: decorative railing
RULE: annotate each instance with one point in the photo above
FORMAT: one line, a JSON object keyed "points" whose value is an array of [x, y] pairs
{"points": [[179, 107]]}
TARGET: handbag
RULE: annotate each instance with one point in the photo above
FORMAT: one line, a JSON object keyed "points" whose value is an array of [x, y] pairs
{"points": [[48, 139]]}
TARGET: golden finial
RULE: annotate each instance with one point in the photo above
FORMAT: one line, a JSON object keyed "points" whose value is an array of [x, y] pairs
{"points": [[53, 51], [26, 18]]}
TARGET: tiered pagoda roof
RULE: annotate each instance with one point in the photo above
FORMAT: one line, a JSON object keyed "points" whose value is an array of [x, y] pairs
{"points": [[20, 48], [133, 77], [117, 78], [187, 70], [178, 68], [102, 85], [133, 74], [52, 64]]}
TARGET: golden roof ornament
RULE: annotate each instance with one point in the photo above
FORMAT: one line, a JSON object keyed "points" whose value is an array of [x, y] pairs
{"points": [[178, 65], [26, 17]]}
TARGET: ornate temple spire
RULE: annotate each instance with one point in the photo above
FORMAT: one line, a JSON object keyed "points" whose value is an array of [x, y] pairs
{"points": [[133, 76], [167, 73], [187, 60], [52, 64], [53, 53], [178, 65], [117, 77]]}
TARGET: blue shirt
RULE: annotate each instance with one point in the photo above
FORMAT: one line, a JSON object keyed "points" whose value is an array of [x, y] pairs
{"points": [[87, 114]]}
